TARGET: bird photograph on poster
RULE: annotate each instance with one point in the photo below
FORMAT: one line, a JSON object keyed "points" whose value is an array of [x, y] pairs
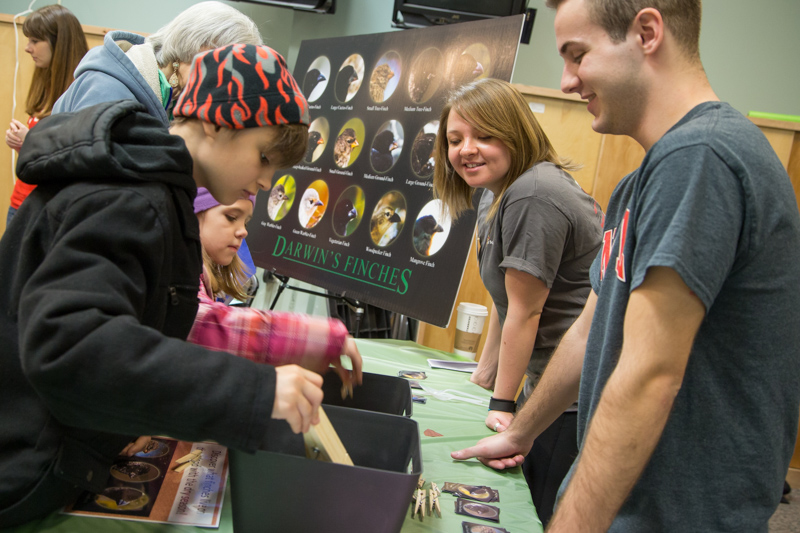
{"points": [[431, 228], [319, 132], [387, 146], [422, 150], [316, 78], [313, 204], [425, 75], [388, 218], [348, 211], [385, 77], [281, 197], [473, 63], [348, 146], [349, 78]]}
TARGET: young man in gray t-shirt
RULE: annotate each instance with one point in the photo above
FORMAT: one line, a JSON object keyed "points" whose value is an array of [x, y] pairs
{"points": [[690, 380]]}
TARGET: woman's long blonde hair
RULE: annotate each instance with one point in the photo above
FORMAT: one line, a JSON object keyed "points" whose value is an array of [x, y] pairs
{"points": [[495, 108], [59, 27]]}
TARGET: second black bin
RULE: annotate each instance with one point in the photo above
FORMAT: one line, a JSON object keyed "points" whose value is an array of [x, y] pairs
{"points": [[377, 393]]}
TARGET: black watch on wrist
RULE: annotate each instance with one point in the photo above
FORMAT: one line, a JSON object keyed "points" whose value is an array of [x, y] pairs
{"points": [[508, 406]]}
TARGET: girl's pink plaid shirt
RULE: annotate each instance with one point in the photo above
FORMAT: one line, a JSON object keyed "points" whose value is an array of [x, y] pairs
{"points": [[275, 338]]}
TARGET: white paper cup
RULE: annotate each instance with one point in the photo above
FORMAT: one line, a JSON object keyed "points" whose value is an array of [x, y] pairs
{"points": [[469, 327]]}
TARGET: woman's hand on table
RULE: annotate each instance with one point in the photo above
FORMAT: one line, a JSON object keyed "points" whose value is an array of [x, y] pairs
{"points": [[298, 395], [499, 420], [501, 451], [484, 375]]}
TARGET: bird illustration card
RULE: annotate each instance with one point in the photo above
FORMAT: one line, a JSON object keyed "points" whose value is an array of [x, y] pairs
{"points": [[477, 510], [471, 527], [357, 215]]}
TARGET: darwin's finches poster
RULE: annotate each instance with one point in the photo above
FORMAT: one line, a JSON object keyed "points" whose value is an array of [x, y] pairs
{"points": [[357, 216]]}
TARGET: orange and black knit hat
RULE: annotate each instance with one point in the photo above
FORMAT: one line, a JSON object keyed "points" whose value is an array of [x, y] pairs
{"points": [[242, 86]]}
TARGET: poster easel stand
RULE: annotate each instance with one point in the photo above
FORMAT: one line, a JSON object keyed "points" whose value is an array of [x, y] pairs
{"points": [[354, 305]]}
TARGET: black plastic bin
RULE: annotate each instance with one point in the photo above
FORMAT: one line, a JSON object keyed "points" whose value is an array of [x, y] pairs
{"points": [[279, 489], [378, 393]]}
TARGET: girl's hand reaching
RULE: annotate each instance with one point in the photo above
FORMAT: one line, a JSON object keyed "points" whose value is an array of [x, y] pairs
{"points": [[354, 376]]}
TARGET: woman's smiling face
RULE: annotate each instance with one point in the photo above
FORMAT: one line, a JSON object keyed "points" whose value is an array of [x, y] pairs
{"points": [[480, 159]]}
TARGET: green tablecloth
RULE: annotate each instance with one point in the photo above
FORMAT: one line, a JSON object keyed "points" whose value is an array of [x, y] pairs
{"points": [[461, 424]]}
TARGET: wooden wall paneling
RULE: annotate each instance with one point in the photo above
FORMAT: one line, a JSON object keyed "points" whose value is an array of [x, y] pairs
{"points": [[793, 167], [568, 125], [619, 155], [471, 290], [8, 58]]}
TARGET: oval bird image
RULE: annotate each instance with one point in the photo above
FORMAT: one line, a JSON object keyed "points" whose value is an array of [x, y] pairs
{"points": [[347, 146], [385, 77], [349, 211], [349, 78], [426, 75], [387, 146], [318, 133], [316, 78], [387, 219], [422, 150], [313, 204], [472, 64], [281, 197], [431, 228]]}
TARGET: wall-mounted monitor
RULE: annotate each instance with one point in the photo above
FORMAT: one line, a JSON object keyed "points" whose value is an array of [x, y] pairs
{"points": [[423, 13], [316, 6]]}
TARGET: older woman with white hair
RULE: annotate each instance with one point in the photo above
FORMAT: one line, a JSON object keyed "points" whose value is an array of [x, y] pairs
{"points": [[153, 70]]}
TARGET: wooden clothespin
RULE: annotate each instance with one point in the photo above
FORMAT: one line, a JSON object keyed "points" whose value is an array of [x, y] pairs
{"points": [[187, 460], [418, 498], [434, 499], [347, 390], [420, 505], [323, 443]]}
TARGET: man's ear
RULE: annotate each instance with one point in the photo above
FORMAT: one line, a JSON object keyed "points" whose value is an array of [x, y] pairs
{"points": [[649, 29]]}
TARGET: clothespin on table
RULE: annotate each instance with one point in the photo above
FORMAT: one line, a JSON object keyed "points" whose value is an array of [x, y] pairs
{"points": [[420, 506], [419, 498], [434, 499]]}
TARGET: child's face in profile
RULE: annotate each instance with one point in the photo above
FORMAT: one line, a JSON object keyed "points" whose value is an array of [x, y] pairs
{"points": [[234, 164], [222, 230]]}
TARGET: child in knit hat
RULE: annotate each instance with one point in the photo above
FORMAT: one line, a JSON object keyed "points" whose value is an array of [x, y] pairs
{"points": [[263, 336], [103, 261]]}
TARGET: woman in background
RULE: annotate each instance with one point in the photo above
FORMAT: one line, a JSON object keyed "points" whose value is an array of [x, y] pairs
{"points": [[538, 235], [56, 44]]}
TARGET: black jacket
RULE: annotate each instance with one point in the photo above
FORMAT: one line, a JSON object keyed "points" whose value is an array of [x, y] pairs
{"points": [[100, 271]]}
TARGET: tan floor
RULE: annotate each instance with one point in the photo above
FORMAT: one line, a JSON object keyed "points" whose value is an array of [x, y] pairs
{"points": [[787, 516]]}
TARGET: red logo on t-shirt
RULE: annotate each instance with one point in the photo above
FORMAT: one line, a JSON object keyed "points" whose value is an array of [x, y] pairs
{"points": [[608, 243]]}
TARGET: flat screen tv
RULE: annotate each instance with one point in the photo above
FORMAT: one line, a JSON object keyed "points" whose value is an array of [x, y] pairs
{"points": [[423, 13], [317, 6]]}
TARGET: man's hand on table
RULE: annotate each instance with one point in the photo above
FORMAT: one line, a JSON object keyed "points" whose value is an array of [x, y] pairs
{"points": [[504, 450]]}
